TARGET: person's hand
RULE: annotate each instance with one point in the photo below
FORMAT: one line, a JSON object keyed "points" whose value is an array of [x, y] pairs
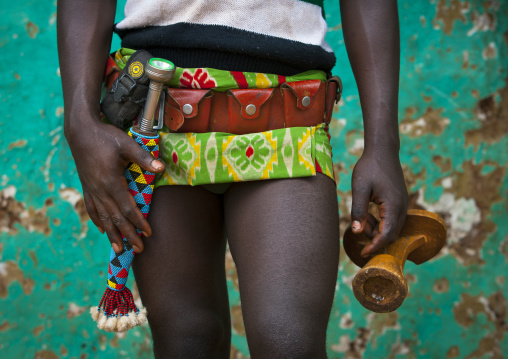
{"points": [[101, 153], [378, 178]]}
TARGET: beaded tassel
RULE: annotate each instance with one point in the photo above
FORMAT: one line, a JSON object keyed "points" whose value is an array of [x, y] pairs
{"points": [[116, 311]]}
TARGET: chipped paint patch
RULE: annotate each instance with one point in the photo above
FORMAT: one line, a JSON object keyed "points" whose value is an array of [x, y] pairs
{"points": [[355, 143], [492, 113], [17, 144], [46, 354], [490, 52], [353, 348], [346, 321], [485, 21], [431, 122], [231, 273], [378, 324], [447, 15], [13, 212], [75, 198], [494, 308], [441, 285], [9, 273], [237, 319], [5, 326], [75, 310], [31, 29], [37, 330]]}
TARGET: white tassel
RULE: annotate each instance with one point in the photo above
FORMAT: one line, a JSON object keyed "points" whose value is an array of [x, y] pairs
{"points": [[122, 324], [94, 311], [110, 325], [142, 316], [102, 321], [133, 320]]}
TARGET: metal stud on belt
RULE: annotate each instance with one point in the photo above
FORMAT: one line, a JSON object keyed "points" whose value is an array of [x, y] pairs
{"points": [[306, 101], [250, 109]]}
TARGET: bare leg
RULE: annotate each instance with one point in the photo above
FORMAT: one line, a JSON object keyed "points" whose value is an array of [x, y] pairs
{"points": [[284, 238], [181, 274]]}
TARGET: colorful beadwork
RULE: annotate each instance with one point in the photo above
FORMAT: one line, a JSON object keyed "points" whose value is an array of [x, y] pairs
{"points": [[117, 311]]}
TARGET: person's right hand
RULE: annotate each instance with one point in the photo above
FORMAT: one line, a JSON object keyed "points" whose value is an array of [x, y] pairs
{"points": [[102, 152]]}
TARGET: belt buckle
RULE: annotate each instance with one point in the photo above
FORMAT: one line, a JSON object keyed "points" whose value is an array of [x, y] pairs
{"points": [[160, 120]]}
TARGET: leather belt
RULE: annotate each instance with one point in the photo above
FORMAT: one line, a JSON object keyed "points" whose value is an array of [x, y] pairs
{"points": [[240, 111]]}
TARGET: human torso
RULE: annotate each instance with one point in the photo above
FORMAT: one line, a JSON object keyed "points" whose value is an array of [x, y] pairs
{"points": [[283, 37]]}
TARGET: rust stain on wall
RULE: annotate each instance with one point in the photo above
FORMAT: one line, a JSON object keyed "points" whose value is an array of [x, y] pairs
{"points": [[235, 353], [490, 52], [453, 352], [353, 348], [484, 190], [378, 324], [485, 21], [10, 272], [46, 354], [487, 346], [432, 121], [5, 326], [75, 198], [74, 310], [445, 164], [13, 211], [493, 118], [494, 309], [231, 273], [448, 14], [441, 285], [237, 319], [37, 330], [31, 29], [63, 350], [354, 142], [33, 257], [503, 247], [17, 144]]}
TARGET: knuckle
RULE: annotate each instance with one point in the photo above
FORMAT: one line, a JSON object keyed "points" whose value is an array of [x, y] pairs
{"points": [[389, 230], [104, 217], [128, 211], [117, 220]]}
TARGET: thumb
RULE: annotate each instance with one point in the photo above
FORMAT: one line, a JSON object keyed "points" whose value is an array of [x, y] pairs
{"points": [[359, 207], [137, 154]]}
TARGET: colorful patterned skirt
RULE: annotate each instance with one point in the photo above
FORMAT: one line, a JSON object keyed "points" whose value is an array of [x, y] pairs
{"points": [[216, 157]]}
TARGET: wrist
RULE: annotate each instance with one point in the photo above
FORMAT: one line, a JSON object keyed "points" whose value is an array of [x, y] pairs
{"points": [[382, 144], [76, 121]]}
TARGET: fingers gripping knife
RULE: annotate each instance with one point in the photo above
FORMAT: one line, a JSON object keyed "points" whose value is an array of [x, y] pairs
{"points": [[117, 311], [380, 285]]}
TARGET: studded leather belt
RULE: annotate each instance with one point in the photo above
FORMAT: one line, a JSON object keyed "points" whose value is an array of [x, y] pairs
{"points": [[240, 111]]}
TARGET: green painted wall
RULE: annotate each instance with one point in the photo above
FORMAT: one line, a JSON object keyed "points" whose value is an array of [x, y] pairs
{"points": [[454, 124]]}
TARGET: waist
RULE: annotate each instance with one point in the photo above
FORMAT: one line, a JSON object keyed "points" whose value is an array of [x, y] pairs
{"points": [[210, 100]]}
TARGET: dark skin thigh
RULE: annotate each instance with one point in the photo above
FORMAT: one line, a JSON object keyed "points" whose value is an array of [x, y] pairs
{"points": [[181, 275], [101, 152], [286, 260]]}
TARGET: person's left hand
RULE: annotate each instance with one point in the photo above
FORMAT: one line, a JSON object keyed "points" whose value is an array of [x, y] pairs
{"points": [[378, 178]]}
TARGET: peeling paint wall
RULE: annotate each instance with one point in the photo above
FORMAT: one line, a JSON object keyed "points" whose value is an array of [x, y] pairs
{"points": [[454, 136]]}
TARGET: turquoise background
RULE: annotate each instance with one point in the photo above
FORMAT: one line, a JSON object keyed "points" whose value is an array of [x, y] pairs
{"points": [[454, 122]]}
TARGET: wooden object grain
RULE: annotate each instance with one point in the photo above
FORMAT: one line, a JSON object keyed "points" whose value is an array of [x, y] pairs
{"points": [[380, 285]]}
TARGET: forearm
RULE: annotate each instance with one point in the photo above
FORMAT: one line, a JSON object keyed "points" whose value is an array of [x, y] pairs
{"points": [[84, 31], [371, 34]]}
